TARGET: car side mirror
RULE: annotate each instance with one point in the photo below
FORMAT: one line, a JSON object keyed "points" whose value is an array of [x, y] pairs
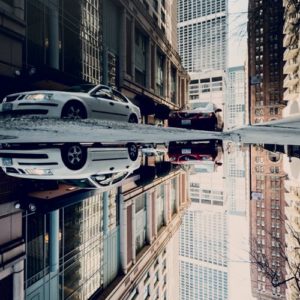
{"points": [[218, 110]]}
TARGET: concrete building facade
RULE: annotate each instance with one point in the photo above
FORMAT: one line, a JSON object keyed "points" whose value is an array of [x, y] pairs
{"points": [[127, 44]]}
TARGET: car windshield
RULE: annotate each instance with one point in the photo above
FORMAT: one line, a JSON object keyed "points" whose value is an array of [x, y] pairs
{"points": [[81, 88], [199, 105]]}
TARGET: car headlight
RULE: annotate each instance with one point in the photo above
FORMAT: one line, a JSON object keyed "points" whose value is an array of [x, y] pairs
{"points": [[172, 114], [39, 172], [39, 96]]}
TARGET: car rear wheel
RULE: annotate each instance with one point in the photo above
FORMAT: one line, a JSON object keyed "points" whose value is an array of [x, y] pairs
{"points": [[133, 151], [74, 156], [74, 110], [133, 119]]}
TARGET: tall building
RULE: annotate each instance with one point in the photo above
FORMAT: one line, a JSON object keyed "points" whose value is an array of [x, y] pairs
{"points": [[291, 57], [202, 43], [265, 56], [265, 71], [236, 111], [202, 34]]}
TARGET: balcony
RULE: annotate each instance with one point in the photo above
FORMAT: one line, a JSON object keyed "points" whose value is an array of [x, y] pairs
{"points": [[290, 80], [289, 6], [286, 40], [291, 52], [291, 66], [292, 94]]}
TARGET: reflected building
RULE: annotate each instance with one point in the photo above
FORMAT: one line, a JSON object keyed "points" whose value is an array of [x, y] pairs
{"points": [[150, 216], [81, 244], [292, 210], [267, 230], [12, 245], [203, 252], [236, 164], [237, 178]]}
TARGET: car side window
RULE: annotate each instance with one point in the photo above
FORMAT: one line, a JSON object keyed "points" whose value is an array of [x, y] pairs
{"points": [[119, 97], [104, 93]]}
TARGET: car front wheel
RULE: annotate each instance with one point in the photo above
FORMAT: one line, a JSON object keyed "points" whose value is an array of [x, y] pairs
{"points": [[74, 110], [74, 156], [133, 119], [133, 151]]}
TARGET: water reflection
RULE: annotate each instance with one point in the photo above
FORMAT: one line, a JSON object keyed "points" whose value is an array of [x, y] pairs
{"points": [[204, 156], [237, 205], [83, 242], [86, 166]]}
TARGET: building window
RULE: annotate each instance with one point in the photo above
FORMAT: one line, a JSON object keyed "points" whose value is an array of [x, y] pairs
{"points": [[173, 92], [140, 58], [128, 47], [160, 74], [147, 291], [156, 278]]}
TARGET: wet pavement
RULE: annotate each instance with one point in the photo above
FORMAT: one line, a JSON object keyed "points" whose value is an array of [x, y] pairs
{"points": [[136, 220]]}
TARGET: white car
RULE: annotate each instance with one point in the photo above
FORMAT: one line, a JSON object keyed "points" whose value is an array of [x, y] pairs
{"points": [[85, 166], [79, 102]]}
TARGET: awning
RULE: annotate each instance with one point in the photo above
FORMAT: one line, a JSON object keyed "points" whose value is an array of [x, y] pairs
{"points": [[145, 103], [149, 106], [162, 111]]}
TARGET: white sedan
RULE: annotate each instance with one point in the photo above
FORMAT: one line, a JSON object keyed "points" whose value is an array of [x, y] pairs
{"points": [[79, 102], [85, 166]]}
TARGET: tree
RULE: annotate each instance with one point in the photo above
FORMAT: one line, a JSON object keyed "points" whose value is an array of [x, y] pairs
{"points": [[281, 265]]}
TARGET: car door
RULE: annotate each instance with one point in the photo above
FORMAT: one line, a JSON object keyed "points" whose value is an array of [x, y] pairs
{"points": [[122, 106], [104, 106]]}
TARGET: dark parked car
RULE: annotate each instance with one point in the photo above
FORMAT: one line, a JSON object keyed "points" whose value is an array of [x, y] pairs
{"points": [[205, 117]]}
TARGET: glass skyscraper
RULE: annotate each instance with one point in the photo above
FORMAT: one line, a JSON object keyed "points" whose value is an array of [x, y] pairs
{"points": [[202, 34]]}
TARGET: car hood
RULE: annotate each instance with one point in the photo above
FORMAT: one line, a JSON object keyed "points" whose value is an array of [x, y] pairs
{"points": [[46, 92]]}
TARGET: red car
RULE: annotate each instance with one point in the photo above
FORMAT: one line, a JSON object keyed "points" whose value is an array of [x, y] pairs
{"points": [[205, 117], [205, 153]]}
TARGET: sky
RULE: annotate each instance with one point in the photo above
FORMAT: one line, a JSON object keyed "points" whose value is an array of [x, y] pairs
{"points": [[237, 32]]}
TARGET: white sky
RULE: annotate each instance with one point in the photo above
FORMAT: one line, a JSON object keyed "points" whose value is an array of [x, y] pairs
{"points": [[237, 32]]}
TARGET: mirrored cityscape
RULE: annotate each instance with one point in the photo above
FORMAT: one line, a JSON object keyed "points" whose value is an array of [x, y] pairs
{"points": [[149, 149]]}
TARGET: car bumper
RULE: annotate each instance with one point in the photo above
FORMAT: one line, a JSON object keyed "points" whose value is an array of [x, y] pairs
{"points": [[202, 124], [49, 109]]}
